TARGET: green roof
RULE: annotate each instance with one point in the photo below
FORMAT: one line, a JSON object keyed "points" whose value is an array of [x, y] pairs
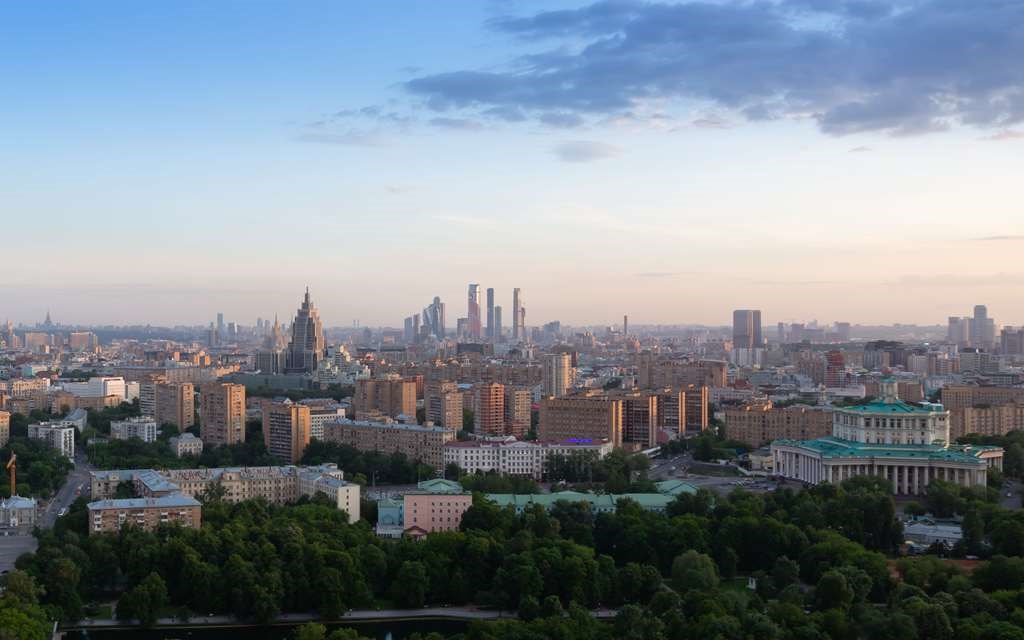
{"points": [[439, 485], [597, 501], [898, 406], [674, 487], [830, 447]]}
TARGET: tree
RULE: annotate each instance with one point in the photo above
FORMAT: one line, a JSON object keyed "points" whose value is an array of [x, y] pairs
{"points": [[411, 584], [696, 571], [784, 573], [311, 631], [832, 592], [145, 601]]}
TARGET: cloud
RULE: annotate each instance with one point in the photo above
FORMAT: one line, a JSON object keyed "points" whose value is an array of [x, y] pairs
{"points": [[1005, 134], [397, 189], [351, 138], [459, 124], [584, 151], [903, 68], [860, 150], [960, 280], [711, 122], [999, 238], [660, 274]]}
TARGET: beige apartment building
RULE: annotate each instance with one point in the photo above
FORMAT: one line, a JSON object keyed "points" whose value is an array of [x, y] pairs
{"points": [[698, 412], [5, 428], [590, 415], [489, 409], [758, 424], [518, 404], [417, 442], [443, 403], [963, 396], [109, 516], [392, 396], [174, 403], [222, 413], [655, 372], [558, 374], [992, 420], [286, 430]]}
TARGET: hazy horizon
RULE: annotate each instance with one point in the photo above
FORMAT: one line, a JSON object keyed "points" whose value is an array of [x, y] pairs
{"points": [[672, 161]]}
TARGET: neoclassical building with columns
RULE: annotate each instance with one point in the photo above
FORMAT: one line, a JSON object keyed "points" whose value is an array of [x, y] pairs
{"points": [[905, 443]]}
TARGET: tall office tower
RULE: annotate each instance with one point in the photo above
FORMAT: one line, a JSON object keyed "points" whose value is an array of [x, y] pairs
{"points": [[409, 331], [496, 334], [518, 402], [489, 409], [835, 369], [222, 413], [220, 323], [415, 326], [286, 430], [307, 345], [746, 329], [843, 331], [959, 331], [983, 329], [473, 311], [780, 330], [518, 333], [174, 403], [625, 325], [433, 318], [557, 374], [490, 313]]}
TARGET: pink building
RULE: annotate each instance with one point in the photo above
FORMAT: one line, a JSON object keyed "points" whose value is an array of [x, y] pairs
{"points": [[438, 505]]}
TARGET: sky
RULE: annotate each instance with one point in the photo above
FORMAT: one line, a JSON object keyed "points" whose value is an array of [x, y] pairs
{"points": [[816, 159]]}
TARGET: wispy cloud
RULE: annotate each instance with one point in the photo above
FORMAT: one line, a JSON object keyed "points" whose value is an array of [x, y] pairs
{"points": [[660, 274], [351, 138], [468, 221], [584, 151], [712, 122], [959, 280], [1005, 134], [458, 124], [860, 150], [999, 238]]}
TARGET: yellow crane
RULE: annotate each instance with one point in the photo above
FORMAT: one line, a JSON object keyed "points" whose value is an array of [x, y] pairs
{"points": [[12, 466]]}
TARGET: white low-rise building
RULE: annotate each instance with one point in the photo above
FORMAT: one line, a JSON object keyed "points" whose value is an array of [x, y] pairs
{"points": [[59, 435], [142, 427], [186, 445], [519, 458], [905, 443]]}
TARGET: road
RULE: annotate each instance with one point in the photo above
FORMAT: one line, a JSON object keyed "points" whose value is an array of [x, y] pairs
{"points": [[364, 615], [77, 481]]}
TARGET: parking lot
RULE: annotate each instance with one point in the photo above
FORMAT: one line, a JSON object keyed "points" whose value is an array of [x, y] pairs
{"points": [[13, 546]]}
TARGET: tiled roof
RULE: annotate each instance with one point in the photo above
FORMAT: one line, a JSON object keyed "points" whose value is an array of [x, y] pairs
{"points": [[830, 447]]}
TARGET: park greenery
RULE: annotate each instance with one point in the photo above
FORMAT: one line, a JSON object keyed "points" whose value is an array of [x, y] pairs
{"points": [[41, 470], [368, 467], [821, 560]]}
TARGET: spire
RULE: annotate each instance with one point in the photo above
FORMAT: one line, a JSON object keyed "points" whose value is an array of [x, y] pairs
{"points": [[307, 294]]}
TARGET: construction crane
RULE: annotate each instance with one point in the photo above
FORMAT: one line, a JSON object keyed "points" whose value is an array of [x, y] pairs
{"points": [[12, 466]]}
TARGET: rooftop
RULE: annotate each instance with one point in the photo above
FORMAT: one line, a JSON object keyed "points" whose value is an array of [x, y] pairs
{"points": [[897, 406], [174, 500], [831, 447]]}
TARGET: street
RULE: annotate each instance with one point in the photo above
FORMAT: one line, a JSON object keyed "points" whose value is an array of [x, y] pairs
{"points": [[77, 481]]}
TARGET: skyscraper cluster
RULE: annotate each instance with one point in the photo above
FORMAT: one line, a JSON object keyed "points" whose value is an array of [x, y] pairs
{"points": [[483, 321], [978, 331]]}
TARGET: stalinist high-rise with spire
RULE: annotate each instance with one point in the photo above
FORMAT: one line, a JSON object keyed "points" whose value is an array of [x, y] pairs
{"points": [[307, 343]]}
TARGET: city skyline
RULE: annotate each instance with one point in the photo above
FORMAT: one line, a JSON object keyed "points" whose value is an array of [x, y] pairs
{"points": [[356, 123]]}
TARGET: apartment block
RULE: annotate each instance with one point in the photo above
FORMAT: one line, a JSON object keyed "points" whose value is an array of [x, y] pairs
{"points": [[141, 427], [186, 444], [519, 458], [59, 435], [590, 415], [222, 413], [989, 420], [489, 409], [444, 406], [422, 443], [518, 405], [963, 396], [110, 516], [393, 396], [286, 430], [174, 403], [759, 424], [5, 428]]}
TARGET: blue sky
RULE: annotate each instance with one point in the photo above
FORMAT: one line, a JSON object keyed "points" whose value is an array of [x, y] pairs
{"points": [[674, 161]]}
